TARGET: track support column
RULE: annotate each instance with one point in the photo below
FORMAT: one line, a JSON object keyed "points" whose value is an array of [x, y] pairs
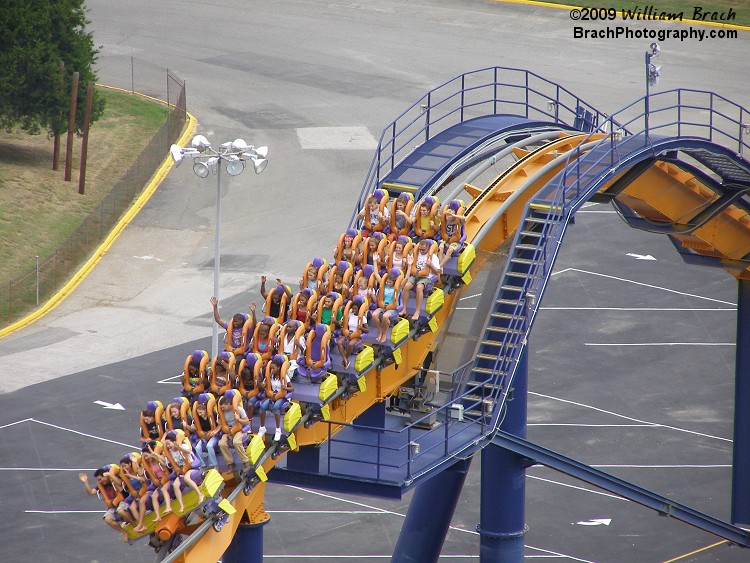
{"points": [[741, 461], [247, 544], [429, 516], [502, 512]]}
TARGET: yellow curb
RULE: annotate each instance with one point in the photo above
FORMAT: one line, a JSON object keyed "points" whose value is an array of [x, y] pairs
{"points": [[102, 249], [569, 7]]}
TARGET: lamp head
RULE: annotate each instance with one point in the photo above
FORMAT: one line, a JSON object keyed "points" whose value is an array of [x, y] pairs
{"points": [[213, 164], [654, 72], [239, 145], [201, 169], [235, 166], [259, 164], [200, 143], [176, 152]]}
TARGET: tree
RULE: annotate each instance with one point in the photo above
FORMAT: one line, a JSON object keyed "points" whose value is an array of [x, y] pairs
{"points": [[44, 43]]}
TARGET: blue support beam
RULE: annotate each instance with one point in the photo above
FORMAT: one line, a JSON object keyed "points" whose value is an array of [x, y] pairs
{"points": [[429, 515], [741, 461], [649, 499], [247, 544], [502, 526]]}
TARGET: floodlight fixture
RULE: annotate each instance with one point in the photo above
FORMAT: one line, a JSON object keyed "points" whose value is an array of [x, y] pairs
{"points": [[235, 166], [259, 164], [213, 164], [239, 145], [654, 72], [201, 169], [176, 152], [262, 151], [200, 143]]}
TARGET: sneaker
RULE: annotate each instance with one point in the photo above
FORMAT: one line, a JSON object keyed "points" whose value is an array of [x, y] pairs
{"points": [[277, 435], [262, 431]]}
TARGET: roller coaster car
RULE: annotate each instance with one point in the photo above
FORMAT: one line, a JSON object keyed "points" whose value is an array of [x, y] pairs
{"points": [[314, 397], [456, 268], [212, 506]]}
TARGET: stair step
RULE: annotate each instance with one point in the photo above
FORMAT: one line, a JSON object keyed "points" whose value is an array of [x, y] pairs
{"points": [[485, 384], [517, 274], [489, 357], [503, 330], [497, 344], [545, 207], [517, 260], [536, 220], [533, 234], [507, 302], [485, 371], [523, 246], [506, 316], [514, 288]]}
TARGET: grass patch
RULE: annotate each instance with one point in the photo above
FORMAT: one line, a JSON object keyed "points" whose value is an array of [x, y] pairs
{"points": [[38, 209], [740, 7]]}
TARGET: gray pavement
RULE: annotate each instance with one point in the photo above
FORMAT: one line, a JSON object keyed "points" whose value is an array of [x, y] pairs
{"points": [[274, 72]]}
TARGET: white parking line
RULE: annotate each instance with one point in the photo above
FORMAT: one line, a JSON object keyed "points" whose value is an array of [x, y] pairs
{"points": [[584, 489], [659, 343], [646, 285], [383, 511], [645, 422], [168, 380], [47, 469], [650, 309], [16, 422], [84, 434]]}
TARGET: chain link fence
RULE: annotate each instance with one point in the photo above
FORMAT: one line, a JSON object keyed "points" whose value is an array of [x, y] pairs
{"points": [[23, 294]]}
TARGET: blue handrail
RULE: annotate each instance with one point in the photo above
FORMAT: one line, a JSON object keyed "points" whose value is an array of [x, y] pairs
{"points": [[487, 91]]}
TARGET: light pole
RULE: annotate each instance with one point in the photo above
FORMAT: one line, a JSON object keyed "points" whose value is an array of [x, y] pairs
{"points": [[207, 160], [653, 71]]}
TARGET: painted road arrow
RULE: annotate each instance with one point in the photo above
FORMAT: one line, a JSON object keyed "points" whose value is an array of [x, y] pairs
{"points": [[595, 522], [640, 256], [113, 406]]}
